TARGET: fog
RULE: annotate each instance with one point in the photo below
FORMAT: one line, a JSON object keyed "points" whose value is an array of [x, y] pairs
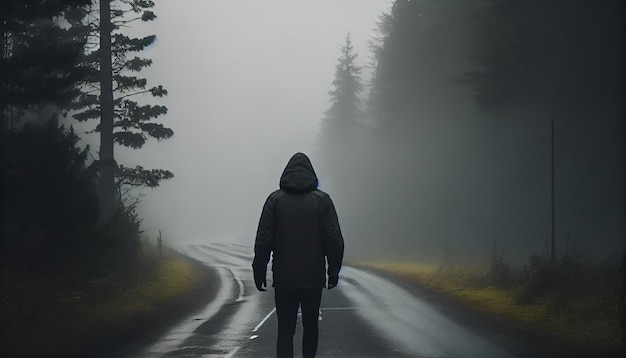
{"points": [[248, 86]]}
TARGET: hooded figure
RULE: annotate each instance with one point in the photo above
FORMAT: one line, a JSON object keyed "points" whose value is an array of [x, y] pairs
{"points": [[299, 226]]}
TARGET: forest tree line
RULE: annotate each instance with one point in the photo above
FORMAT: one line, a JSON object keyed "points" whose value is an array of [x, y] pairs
{"points": [[487, 133], [428, 60], [419, 132], [66, 207]]}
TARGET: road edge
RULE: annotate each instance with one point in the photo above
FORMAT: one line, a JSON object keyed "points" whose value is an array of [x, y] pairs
{"points": [[505, 334], [135, 334]]}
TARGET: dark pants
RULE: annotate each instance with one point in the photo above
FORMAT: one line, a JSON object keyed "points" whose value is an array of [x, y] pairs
{"points": [[287, 303]]}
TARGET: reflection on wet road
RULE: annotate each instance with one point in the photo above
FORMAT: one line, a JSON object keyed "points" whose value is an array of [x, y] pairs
{"points": [[365, 316]]}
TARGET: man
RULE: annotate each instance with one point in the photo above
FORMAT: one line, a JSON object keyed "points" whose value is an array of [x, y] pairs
{"points": [[299, 226]]}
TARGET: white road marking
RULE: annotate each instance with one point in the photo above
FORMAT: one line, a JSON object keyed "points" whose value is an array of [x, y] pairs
{"points": [[254, 336], [413, 325], [263, 320], [185, 328], [232, 353], [241, 289]]}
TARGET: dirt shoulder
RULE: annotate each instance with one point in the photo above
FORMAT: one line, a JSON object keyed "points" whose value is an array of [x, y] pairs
{"points": [[42, 316], [143, 328], [509, 335]]}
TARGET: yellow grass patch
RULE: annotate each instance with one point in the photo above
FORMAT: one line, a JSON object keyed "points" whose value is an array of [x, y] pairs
{"points": [[591, 320], [174, 279], [40, 318]]}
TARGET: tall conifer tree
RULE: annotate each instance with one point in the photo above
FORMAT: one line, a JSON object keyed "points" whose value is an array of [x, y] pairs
{"points": [[341, 120], [110, 93], [345, 100], [37, 57]]}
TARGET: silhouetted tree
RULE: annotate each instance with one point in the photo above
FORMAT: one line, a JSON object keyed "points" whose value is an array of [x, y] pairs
{"points": [[341, 120], [565, 59], [37, 58], [417, 50], [344, 97], [109, 94], [49, 205], [38, 67], [568, 60], [554, 55]]}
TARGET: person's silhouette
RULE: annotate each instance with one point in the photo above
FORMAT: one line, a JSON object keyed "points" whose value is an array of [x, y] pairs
{"points": [[299, 226]]}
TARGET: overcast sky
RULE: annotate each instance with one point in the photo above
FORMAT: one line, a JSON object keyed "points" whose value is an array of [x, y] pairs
{"points": [[248, 83]]}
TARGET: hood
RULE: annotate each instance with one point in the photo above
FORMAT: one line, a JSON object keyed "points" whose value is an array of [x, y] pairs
{"points": [[298, 176]]}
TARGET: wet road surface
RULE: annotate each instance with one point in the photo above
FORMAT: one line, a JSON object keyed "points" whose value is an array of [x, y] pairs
{"points": [[365, 316]]}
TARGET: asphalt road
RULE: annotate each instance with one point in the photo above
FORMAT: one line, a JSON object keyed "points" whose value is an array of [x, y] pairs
{"points": [[366, 315]]}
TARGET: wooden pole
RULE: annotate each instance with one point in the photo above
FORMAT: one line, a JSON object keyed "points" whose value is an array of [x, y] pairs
{"points": [[552, 235]]}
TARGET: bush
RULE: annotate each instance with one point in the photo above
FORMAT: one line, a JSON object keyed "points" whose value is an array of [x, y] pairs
{"points": [[536, 280], [49, 206], [117, 243], [499, 273], [565, 280]]}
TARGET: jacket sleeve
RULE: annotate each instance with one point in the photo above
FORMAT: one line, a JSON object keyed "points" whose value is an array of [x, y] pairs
{"points": [[332, 240], [264, 238]]}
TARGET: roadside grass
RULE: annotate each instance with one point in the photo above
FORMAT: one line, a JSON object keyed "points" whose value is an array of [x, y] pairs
{"points": [[583, 310], [57, 314]]}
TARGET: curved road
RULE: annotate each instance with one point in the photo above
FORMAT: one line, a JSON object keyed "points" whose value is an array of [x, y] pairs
{"points": [[365, 316]]}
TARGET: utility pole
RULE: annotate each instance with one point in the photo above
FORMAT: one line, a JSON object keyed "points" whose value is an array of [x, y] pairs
{"points": [[552, 236], [623, 290]]}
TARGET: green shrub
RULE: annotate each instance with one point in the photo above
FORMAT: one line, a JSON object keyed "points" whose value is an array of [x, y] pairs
{"points": [[117, 243], [49, 206], [535, 281], [499, 273]]}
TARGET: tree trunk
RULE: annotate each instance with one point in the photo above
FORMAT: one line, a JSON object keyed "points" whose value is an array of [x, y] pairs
{"points": [[106, 183], [3, 83]]}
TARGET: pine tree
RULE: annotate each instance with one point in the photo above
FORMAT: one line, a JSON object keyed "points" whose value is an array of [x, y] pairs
{"points": [[341, 121], [345, 100], [110, 92], [49, 207], [418, 49], [552, 55], [37, 57]]}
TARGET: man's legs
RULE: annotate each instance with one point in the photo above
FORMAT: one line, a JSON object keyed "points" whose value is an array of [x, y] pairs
{"points": [[310, 304], [287, 302]]}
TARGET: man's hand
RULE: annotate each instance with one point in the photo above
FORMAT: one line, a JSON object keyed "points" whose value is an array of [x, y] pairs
{"points": [[332, 282], [260, 281]]}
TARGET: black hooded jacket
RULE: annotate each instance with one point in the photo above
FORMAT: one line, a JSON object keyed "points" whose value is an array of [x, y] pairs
{"points": [[299, 226]]}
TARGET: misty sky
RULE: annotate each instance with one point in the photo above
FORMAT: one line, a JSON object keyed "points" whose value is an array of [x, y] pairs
{"points": [[248, 83]]}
